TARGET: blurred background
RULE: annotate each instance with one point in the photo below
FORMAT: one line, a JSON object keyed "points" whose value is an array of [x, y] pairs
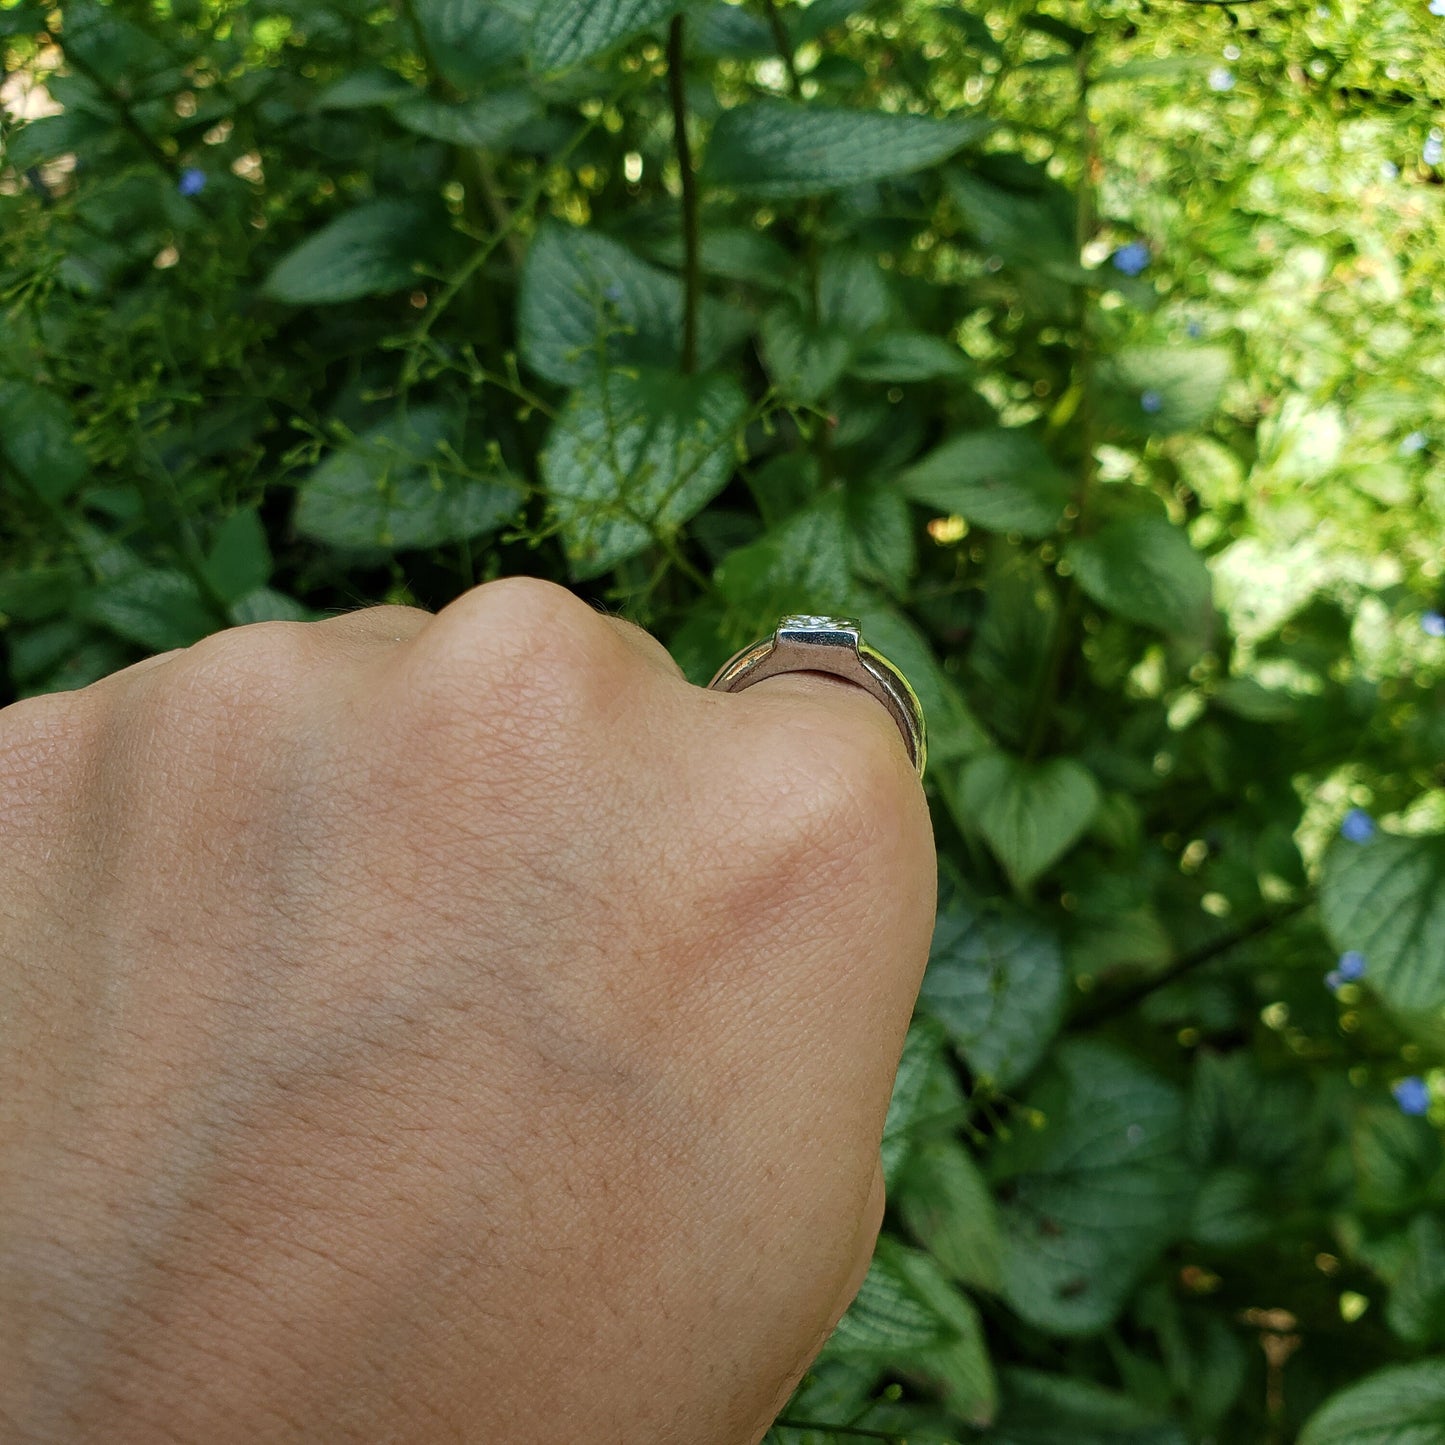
{"points": [[1090, 353]]}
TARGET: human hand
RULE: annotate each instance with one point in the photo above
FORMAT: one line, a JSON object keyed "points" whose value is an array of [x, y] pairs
{"points": [[443, 1028]]}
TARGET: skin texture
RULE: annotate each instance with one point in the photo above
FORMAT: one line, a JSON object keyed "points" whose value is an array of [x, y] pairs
{"points": [[452, 1028]]}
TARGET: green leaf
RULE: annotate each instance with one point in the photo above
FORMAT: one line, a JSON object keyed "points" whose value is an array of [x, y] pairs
{"points": [[884, 548], [485, 123], [943, 1200], [1386, 898], [1400, 1405], [925, 1096], [729, 32], [584, 295], [1017, 226], [778, 148], [634, 454], [471, 40], [953, 731], [1090, 1200], [903, 356], [1397, 1160], [158, 609], [368, 251], [1230, 1210], [853, 292], [1144, 569], [1041, 1409], [370, 86], [567, 32], [995, 981], [402, 486], [1159, 390], [1002, 479], [268, 605], [37, 440], [887, 1320], [804, 359], [957, 1367], [240, 557], [1416, 1309], [801, 565], [1030, 813]]}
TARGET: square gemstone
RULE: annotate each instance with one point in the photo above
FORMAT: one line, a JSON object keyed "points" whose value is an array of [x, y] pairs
{"points": [[805, 622]]}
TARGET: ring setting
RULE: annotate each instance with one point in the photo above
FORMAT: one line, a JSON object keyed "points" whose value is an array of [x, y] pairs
{"points": [[805, 642]]}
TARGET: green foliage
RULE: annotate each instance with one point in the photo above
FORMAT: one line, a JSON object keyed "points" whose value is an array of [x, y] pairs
{"points": [[305, 306]]}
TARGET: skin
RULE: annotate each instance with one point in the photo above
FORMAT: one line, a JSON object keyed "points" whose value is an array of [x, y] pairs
{"points": [[442, 1028]]}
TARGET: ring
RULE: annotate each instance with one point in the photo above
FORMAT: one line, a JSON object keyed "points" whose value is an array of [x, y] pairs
{"points": [[830, 644]]}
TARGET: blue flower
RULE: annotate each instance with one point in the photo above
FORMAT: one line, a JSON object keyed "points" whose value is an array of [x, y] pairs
{"points": [[1195, 329], [1413, 443], [1358, 827], [1412, 1095], [1434, 151], [1433, 624], [1437, 7], [1388, 169], [1151, 402], [1333, 980], [1221, 78], [1352, 966], [192, 181], [614, 292], [1131, 259]]}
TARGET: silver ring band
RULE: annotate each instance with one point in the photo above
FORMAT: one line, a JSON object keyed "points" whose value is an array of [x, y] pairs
{"points": [[834, 645]]}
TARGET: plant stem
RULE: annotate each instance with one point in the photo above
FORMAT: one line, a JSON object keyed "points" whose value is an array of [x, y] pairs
{"points": [[785, 48], [147, 141], [477, 175], [691, 223], [1085, 220], [907, 1437], [1123, 1001]]}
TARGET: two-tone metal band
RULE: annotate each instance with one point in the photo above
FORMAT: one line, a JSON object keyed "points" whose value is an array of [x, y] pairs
{"points": [[834, 645]]}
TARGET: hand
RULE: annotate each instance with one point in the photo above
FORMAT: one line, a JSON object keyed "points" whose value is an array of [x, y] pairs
{"points": [[442, 1028]]}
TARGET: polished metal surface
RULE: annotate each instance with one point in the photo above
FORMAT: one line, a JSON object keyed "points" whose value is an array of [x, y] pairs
{"points": [[830, 644]]}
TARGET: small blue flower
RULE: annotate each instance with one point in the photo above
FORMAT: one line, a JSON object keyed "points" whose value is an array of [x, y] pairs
{"points": [[1437, 7], [1412, 1095], [1413, 443], [1433, 624], [1352, 966], [1195, 329], [1221, 78], [1151, 402], [192, 181], [614, 292], [1434, 151], [1333, 980], [1358, 827], [1131, 259], [1388, 169]]}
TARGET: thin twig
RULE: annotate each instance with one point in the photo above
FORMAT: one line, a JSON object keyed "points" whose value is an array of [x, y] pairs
{"points": [[127, 119], [1126, 999], [691, 224], [477, 173], [784, 46], [894, 1437]]}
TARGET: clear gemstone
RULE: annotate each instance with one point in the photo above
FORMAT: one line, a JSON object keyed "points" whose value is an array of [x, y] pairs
{"points": [[806, 622]]}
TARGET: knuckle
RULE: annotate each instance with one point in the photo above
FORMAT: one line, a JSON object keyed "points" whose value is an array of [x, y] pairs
{"points": [[44, 740], [517, 657], [228, 689], [845, 800]]}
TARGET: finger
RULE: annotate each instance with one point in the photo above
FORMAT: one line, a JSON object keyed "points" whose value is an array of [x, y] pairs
{"points": [[645, 645], [369, 629], [809, 691]]}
